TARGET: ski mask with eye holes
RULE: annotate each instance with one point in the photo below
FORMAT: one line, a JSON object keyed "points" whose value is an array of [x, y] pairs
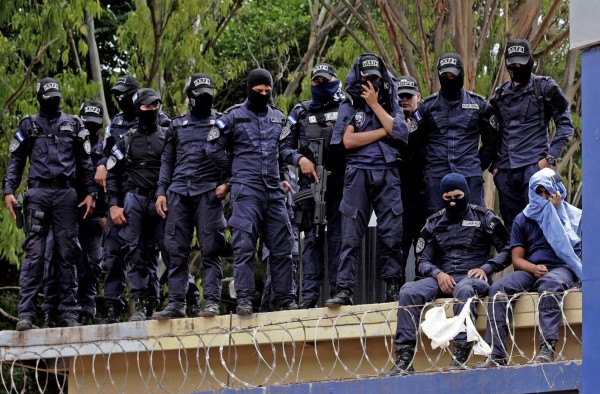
{"points": [[450, 182], [258, 102], [200, 92]]}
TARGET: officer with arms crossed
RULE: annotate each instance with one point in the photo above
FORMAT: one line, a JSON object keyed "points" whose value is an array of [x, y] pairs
{"points": [[371, 126], [306, 143], [454, 259], [250, 132], [451, 123], [58, 148], [191, 192], [524, 106]]}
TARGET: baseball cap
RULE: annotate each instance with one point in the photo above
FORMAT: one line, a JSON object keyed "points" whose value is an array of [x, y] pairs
{"points": [[323, 70], [145, 97], [48, 87], [450, 62], [91, 111], [408, 85], [370, 65], [200, 83], [517, 51], [125, 84]]}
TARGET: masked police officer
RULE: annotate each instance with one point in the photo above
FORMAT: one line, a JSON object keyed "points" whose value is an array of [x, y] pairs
{"points": [[454, 259], [412, 171], [452, 122], [525, 105], [371, 126], [191, 192], [250, 132], [58, 148], [89, 262], [114, 282], [134, 167], [309, 128]]}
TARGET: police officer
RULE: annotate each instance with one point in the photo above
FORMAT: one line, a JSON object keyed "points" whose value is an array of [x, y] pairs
{"points": [[114, 282], [58, 148], [134, 167], [546, 255], [191, 192], [89, 262], [452, 122], [454, 259], [371, 126], [525, 105], [412, 171], [310, 125], [250, 132]]}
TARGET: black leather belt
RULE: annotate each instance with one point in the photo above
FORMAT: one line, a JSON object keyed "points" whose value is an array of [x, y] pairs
{"points": [[50, 184], [140, 191]]}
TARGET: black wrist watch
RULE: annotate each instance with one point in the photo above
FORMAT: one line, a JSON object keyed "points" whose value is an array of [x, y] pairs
{"points": [[94, 195], [551, 160]]}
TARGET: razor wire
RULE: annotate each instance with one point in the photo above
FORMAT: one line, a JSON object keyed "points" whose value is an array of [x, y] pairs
{"points": [[271, 353]]}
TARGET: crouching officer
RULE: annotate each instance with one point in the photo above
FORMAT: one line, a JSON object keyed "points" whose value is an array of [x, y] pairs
{"points": [[134, 168], [454, 259], [191, 192], [250, 132], [58, 147], [306, 145]]}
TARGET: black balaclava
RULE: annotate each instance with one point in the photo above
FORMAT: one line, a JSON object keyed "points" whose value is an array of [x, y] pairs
{"points": [[258, 102], [126, 106], [450, 182], [126, 86], [49, 96], [519, 52], [200, 92], [147, 120], [451, 88], [91, 114]]}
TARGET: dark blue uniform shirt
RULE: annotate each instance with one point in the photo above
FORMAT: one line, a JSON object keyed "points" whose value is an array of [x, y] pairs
{"points": [[186, 168], [253, 141], [459, 245], [55, 152], [451, 130], [524, 138], [528, 234]]}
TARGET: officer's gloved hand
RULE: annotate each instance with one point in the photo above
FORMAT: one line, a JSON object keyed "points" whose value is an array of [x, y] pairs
{"points": [[11, 201]]}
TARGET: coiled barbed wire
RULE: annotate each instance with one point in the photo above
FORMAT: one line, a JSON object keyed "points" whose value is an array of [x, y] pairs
{"points": [[271, 352]]}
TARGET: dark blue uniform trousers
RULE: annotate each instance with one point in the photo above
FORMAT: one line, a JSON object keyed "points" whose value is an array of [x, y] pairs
{"points": [[205, 213], [363, 189], [60, 209], [116, 269], [513, 194], [313, 255], [261, 212], [413, 295], [433, 197], [89, 267], [550, 316], [144, 230]]}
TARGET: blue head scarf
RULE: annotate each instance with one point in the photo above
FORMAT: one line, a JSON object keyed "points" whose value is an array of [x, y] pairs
{"points": [[561, 225]]}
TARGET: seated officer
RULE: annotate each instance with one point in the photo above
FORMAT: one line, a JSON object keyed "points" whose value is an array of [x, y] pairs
{"points": [[454, 259], [546, 254]]}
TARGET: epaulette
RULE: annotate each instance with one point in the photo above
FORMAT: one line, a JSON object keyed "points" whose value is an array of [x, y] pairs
{"points": [[304, 104], [437, 214], [275, 108], [23, 119], [232, 107], [475, 94], [77, 119], [430, 97], [481, 209]]}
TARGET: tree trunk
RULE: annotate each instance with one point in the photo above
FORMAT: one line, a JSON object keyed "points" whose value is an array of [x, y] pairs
{"points": [[95, 63]]}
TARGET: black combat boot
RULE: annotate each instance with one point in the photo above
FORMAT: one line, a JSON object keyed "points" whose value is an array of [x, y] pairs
{"points": [[460, 355], [50, 319], [392, 290], [289, 306], [172, 311], [86, 320], [404, 358], [151, 304], [547, 351], [244, 307], [193, 308], [342, 297], [308, 303], [492, 362], [140, 309], [211, 310], [24, 324], [112, 314], [70, 321]]}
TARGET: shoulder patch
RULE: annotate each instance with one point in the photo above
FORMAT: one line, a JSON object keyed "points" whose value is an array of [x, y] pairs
{"points": [[111, 162], [291, 120], [214, 133], [19, 136], [14, 145], [421, 243], [413, 126], [221, 124], [285, 131]]}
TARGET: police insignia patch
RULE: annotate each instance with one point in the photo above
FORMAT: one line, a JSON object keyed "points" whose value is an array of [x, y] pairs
{"points": [[492, 224], [285, 131], [87, 146], [494, 122], [14, 145], [112, 161], [213, 134], [359, 119], [185, 122], [413, 126], [420, 245]]}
